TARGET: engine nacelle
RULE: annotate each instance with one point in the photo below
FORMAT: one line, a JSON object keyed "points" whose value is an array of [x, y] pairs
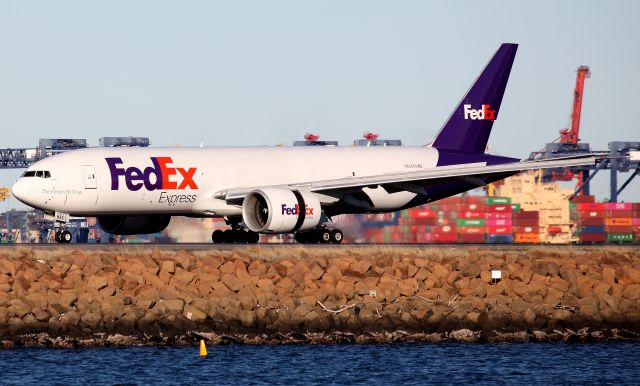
{"points": [[280, 210], [133, 225]]}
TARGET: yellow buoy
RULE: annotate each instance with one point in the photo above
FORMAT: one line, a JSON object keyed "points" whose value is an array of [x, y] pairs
{"points": [[203, 349]]}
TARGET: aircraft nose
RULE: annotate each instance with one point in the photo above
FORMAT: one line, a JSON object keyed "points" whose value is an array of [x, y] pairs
{"points": [[20, 190]]}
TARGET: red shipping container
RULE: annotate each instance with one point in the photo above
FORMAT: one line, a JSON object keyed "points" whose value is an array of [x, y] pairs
{"points": [[591, 221], [529, 214], [593, 237], [618, 214], [425, 221], [591, 206], [497, 216], [479, 238], [446, 208], [635, 206], [636, 221], [525, 223], [618, 206], [498, 208], [470, 214], [422, 213], [580, 199], [470, 230], [472, 207], [526, 229], [499, 223], [444, 237], [619, 229], [590, 214], [444, 229], [499, 230]]}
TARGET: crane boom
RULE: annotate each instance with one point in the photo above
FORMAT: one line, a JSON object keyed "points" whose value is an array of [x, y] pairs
{"points": [[571, 135]]}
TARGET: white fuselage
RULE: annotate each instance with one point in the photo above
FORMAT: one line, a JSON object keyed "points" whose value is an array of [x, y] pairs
{"points": [[81, 182]]}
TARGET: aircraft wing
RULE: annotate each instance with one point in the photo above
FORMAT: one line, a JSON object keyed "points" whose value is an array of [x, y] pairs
{"points": [[414, 180]]}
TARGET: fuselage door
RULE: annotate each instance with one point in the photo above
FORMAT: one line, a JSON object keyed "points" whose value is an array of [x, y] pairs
{"points": [[90, 181]]}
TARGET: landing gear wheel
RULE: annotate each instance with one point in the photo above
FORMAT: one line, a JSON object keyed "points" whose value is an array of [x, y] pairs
{"points": [[217, 236], [66, 237], [325, 236], [57, 237], [229, 236], [242, 237], [336, 236], [303, 237], [253, 237]]}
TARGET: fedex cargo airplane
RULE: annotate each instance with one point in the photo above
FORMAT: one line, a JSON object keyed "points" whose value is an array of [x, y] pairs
{"points": [[278, 189]]}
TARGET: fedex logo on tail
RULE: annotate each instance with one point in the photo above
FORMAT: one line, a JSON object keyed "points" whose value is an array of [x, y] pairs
{"points": [[161, 175], [296, 210], [483, 113]]}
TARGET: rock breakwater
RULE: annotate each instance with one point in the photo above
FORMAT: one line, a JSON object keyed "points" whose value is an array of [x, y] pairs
{"points": [[94, 297]]}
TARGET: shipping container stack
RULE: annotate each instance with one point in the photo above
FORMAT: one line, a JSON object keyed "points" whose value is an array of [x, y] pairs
{"points": [[526, 227], [618, 223], [498, 217], [605, 222], [468, 213]]}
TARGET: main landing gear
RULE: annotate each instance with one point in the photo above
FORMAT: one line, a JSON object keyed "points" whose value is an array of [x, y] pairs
{"points": [[320, 236], [236, 235]]}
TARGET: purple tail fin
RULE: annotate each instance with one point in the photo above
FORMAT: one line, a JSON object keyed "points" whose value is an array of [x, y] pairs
{"points": [[469, 125]]}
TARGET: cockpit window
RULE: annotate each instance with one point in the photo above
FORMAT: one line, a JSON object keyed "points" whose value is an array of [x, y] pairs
{"points": [[37, 173]]}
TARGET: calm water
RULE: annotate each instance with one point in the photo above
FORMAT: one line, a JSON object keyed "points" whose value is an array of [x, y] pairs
{"points": [[615, 363]]}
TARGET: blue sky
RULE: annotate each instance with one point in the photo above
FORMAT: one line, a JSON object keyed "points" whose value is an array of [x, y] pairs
{"points": [[257, 72]]}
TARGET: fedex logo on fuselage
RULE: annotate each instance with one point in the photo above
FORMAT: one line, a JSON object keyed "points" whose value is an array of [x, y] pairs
{"points": [[296, 209], [483, 113], [158, 176]]}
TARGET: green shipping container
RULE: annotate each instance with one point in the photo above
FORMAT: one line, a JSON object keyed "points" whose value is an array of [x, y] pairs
{"points": [[620, 237], [497, 200], [516, 208], [468, 222], [404, 214], [572, 206]]}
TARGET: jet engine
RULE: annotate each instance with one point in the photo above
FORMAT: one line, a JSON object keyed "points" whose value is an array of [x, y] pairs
{"points": [[280, 210], [133, 225]]}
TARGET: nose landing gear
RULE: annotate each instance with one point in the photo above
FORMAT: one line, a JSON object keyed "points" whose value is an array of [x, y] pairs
{"points": [[63, 236]]}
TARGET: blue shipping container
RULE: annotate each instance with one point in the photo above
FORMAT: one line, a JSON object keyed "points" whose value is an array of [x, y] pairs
{"points": [[499, 239], [592, 229]]}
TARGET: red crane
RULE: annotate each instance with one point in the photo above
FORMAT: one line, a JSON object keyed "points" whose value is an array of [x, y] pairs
{"points": [[370, 136], [571, 135], [309, 137]]}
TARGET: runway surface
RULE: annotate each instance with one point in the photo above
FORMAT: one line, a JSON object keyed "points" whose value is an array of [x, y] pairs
{"points": [[225, 247]]}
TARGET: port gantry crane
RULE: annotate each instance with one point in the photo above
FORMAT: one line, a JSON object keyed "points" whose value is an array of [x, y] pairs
{"points": [[568, 143], [620, 157]]}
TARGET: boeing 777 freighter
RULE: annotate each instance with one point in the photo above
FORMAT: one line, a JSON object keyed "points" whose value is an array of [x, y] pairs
{"points": [[278, 189]]}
